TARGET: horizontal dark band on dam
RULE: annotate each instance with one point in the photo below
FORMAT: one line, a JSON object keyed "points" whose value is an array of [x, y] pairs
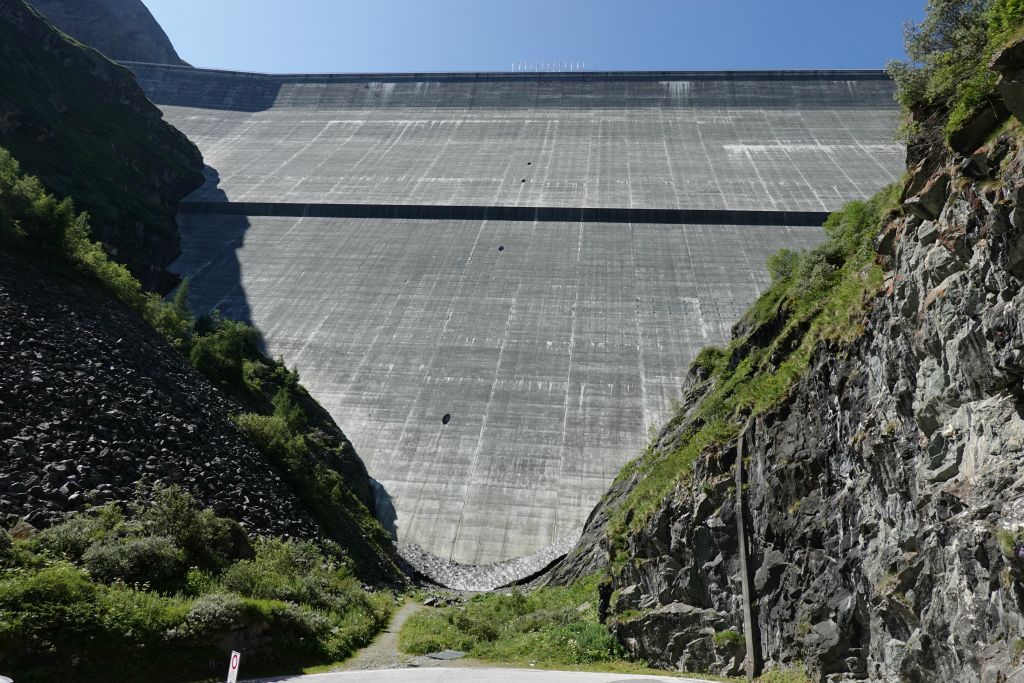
{"points": [[508, 213]]}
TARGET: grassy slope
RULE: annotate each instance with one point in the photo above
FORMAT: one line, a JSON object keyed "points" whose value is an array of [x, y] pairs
{"points": [[545, 627], [549, 628], [818, 297], [152, 598], [284, 421]]}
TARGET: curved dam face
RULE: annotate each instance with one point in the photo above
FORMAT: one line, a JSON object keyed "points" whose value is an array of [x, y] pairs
{"points": [[495, 282]]}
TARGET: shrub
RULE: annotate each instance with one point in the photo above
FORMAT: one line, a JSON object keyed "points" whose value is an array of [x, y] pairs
{"points": [[208, 541], [818, 266], [272, 435], [71, 538], [949, 53], [296, 572], [783, 264], [149, 561], [219, 355], [211, 615]]}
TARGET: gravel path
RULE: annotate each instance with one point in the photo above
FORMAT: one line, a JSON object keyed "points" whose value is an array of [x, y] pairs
{"points": [[383, 653]]}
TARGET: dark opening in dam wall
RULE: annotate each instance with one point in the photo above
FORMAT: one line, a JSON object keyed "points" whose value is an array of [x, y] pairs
{"points": [[535, 257]]}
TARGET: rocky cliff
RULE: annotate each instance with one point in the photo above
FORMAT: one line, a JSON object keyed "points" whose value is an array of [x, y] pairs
{"points": [[83, 126], [882, 498], [124, 30]]}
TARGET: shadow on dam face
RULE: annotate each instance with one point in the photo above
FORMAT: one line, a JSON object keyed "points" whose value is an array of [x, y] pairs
{"points": [[376, 229], [213, 264]]}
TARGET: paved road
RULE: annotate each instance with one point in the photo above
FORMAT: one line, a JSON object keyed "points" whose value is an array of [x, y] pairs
{"points": [[474, 675]]}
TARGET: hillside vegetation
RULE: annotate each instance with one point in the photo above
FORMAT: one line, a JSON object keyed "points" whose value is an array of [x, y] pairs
{"points": [[816, 298], [161, 581], [280, 417], [153, 595], [947, 72]]}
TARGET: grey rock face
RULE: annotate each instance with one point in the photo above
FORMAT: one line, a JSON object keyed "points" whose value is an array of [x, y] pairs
{"points": [[886, 496], [123, 30], [976, 129]]}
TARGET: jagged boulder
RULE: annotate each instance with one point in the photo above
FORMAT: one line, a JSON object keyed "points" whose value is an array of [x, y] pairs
{"points": [[924, 194], [1009, 64], [979, 126]]}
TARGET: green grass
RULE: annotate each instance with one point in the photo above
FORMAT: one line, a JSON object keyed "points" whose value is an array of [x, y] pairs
{"points": [[795, 673], [59, 613], [728, 637], [548, 627], [816, 297]]}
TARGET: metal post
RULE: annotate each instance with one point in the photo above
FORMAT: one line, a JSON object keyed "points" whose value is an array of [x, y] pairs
{"points": [[750, 662]]}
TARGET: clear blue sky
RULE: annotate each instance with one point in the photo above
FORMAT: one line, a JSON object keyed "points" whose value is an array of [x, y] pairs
{"points": [[489, 35]]}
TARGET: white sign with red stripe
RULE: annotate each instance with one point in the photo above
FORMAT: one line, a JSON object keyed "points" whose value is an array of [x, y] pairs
{"points": [[236, 658]]}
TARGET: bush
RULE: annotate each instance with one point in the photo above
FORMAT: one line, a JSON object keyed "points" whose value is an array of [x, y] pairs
{"points": [[219, 355], [818, 266], [208, 541], [211, 615], [71, 538], [783, 264], [296, 572], [152, 561], [949, 53], [293, 602]]}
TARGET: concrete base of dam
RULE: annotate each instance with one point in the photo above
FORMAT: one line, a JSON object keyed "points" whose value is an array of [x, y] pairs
{"points": [[496, 282]]}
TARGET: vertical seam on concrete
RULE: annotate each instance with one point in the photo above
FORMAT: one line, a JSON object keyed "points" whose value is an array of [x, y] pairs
{"points": [[568, 374], [487, 411], [842, 170], [760, 178], [440, 336], [707, 158], [639, 327], [671, 169], [381, 323], [870, 156]]}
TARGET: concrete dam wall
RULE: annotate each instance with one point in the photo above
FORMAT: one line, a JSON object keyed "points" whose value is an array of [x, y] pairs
{"points": [[495, 282]]}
